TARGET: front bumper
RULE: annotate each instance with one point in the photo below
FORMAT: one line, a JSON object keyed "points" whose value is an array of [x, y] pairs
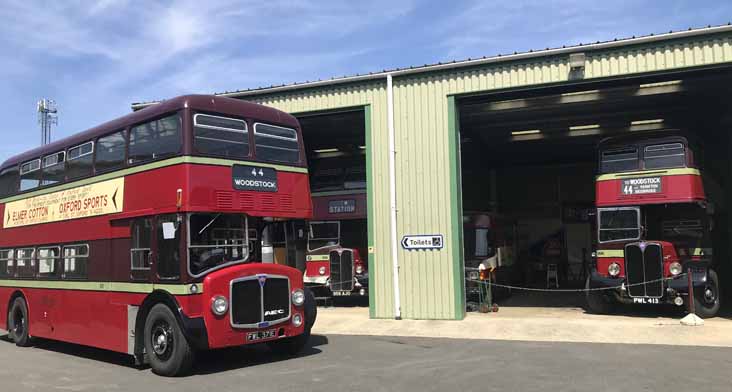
{"points": [[678, 285]]}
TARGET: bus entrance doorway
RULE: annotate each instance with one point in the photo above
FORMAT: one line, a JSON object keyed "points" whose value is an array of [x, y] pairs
{"points": [[530, 158], [337, 237]]}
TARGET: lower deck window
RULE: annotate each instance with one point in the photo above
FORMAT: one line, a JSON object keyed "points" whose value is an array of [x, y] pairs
{"points": [[618, 224], [323, 234], [47, 261], [6, 262], [75, 261], [25, 266]]}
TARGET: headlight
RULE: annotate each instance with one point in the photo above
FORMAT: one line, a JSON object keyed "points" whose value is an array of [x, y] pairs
{"points": [[298, 297], [675, 268], [297, 320], [613, 269], [219, 305], [321, 270], [359, 269]]}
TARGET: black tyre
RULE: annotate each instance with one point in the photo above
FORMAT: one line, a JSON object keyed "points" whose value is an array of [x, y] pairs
{"points": [[311, 310], [18, 325], [598, 301], [706, 299], [166, 347]]}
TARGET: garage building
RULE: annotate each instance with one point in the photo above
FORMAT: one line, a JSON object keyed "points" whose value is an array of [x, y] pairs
{"points": [[515, 134]]}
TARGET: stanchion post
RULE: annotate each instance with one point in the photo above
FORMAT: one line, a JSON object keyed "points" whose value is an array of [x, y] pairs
{"points": [[692, 310]]}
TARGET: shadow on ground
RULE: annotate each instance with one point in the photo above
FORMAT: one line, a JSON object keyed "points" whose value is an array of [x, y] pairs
{"points": [[207, 362]]}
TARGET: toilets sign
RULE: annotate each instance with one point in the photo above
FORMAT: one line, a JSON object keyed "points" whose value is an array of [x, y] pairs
{"points": [[423, 242]]}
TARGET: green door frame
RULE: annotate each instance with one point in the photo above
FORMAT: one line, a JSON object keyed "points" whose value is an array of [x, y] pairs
{"points": [[456, 207]]}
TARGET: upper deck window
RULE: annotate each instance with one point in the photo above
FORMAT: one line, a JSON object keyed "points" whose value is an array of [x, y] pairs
{"points": [[155, 139], [662, 156], [620, 160], [80, 160], [355, 178], [327, 179], [53, 168], [8, 181], [30, 175], [222, 136], [276, 144], [110, 152]]}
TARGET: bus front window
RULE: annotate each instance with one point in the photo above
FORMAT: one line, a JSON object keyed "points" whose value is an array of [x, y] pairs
{"points": [[216, 240], [323, 234]]}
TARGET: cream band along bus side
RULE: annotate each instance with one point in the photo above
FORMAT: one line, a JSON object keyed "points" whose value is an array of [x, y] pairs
{"points": [[85, 201]]}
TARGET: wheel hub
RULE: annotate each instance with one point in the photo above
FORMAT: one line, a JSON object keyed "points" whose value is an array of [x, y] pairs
{"points": [[18, 323], [161, 339], [709, 295]]}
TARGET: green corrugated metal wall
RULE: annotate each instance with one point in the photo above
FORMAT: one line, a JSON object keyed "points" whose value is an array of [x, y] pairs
{"points": [[430, 281]]}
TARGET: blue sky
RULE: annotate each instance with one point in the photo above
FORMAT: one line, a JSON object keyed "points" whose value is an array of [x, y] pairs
{"points": [[96, 57]]}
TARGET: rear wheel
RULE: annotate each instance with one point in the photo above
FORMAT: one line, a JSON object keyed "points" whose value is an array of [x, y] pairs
{"points": [[706, 299], [18, 325], [598, 301], [167, 349]]}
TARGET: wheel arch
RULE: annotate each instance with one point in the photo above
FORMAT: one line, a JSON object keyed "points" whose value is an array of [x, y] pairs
{"points": [[16, 294], [193, 328]]}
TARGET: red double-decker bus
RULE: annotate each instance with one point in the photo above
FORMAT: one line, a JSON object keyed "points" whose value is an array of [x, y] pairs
{"points": [[653, 224], [134, 236], [336, 263]]}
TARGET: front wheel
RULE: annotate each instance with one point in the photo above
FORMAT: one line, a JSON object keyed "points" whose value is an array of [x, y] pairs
{"points": [[18, 326], [598, 301], [706, 300], [165, 345]]}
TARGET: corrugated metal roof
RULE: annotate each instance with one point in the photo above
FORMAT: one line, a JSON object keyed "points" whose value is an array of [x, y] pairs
{"points": [[477, 61]]}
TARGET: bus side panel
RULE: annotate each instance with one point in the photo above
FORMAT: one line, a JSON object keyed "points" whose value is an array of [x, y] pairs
{"points": [[84, 323], [5, 293]]}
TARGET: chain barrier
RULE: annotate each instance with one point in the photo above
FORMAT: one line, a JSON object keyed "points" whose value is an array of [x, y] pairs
{"points": [[575, 290]]}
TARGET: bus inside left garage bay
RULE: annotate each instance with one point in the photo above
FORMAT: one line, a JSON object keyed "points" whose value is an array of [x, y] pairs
{"points": [[136, 236]]}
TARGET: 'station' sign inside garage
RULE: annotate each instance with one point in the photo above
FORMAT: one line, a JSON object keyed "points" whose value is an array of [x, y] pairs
{"points": [[252, 178], [423, 242], [341, 206], [641, 185]]}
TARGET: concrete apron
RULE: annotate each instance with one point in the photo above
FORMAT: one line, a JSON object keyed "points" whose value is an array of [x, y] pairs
{"points": [[533, 324]]}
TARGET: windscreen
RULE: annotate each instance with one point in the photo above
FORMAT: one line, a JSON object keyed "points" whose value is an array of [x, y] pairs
{"points": [[323, 234], [216, 240], [619, 224]]}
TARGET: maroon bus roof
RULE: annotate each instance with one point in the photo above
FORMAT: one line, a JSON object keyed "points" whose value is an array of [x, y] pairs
{"points": [[209, 103]]}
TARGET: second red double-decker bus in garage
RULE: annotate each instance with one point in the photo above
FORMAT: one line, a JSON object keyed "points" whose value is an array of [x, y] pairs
{"points": [[336, 263], [134, 236], [653, 224]]}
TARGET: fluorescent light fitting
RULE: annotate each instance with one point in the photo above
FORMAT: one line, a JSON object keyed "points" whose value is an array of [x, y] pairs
{"points": [[661, 84], [583, 127], [362, 147], [526, 132], [580, 93], [647, 122], [324, 150]]}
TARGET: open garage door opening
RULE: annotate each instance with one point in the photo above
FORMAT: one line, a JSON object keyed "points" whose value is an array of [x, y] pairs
{"points": [[336, 262], [530, 166]]}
